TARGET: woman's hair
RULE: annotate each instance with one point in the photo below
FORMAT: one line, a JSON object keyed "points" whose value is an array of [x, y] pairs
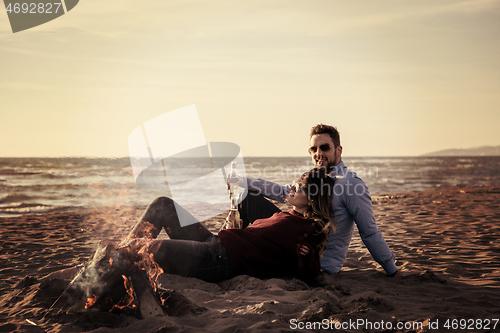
{"points": [[319, 189]]}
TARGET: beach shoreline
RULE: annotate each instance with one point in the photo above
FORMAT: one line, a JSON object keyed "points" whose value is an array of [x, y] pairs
{"points": [[450, 234]]}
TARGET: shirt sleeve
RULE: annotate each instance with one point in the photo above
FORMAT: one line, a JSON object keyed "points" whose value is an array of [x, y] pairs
{"points": [[268, 189], [358, 202]]}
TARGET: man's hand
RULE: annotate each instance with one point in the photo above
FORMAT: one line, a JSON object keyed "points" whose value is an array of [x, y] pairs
{"points": [[401, 273]]}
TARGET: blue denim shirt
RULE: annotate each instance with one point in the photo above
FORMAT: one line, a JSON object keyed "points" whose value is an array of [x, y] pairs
{"points": [[352, 204]]}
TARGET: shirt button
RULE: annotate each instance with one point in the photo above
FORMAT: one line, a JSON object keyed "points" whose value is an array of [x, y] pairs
{"points": [[305, 235], [312, 224]]}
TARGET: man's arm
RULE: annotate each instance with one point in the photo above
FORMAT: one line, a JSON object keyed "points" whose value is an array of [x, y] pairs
{"points": [[358, 202], [268, 189]]}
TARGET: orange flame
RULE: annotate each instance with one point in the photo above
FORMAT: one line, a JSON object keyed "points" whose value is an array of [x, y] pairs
{"points": [[90, 301], [154, 271], [128, 286], [149, 265], [149, 230], [128, 300]]}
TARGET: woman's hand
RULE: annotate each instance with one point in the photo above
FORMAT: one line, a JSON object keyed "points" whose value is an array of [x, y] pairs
{"points": [[230, 221], [304, 250]]}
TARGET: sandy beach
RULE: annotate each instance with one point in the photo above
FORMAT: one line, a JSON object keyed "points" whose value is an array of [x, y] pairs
{"points": [[451, 235]]}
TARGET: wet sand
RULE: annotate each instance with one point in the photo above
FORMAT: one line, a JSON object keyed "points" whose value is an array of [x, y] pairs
{"points": [[450, 234]]}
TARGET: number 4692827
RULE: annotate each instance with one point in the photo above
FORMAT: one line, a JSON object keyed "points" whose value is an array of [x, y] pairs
{"points": [[33, 8]]}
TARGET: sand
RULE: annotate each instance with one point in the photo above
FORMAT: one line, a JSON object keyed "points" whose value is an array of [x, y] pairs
{"points": [[451, 235]]}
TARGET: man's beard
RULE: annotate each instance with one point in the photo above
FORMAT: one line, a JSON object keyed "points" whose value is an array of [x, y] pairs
{"points": [[330, 164], [328, 169]]}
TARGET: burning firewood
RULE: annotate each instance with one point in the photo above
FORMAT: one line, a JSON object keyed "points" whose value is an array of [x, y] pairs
{"points": [[115, 280]]}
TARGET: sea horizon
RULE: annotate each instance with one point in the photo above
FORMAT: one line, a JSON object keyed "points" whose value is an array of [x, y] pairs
{"points": [[43, 185]]}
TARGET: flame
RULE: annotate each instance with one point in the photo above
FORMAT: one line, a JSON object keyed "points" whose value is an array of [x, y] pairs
{"points": [[154, 272], [149, 265], [164, 296], [90, 301], [148, 230], [121, 218], [128, 286], [127, 300]]}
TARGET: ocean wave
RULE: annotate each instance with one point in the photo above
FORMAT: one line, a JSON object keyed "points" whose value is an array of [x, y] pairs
{"points": [[27, 210], [15, 203], [7, 187], [61, 175], [14, 197], [15, 172], [50, 173]]}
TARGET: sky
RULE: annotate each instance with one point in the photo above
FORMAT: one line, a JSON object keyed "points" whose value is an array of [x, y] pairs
{"points": [[397, 78]]}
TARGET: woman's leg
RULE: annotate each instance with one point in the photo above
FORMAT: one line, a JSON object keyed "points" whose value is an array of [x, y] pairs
{"points": [[163, 213], [203, 260]]}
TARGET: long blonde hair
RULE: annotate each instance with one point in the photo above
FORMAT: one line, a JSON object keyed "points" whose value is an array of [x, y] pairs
{"points": [[319, 189]]}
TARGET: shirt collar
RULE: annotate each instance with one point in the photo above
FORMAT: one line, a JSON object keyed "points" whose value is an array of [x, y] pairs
{"points": [[338, 169]]}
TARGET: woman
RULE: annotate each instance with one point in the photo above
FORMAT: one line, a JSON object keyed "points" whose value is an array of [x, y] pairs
{"points": [[285, 244]]}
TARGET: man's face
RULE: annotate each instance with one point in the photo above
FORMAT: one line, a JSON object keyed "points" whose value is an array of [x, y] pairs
{"points": [[325, 159]]}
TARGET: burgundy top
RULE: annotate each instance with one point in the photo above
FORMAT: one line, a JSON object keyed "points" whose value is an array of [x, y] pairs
{"points": [[269, 247]]}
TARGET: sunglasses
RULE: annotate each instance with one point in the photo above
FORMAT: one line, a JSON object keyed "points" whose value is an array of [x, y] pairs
{"points": [[324, 147]]}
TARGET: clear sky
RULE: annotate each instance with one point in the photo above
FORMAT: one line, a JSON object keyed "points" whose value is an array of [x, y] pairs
{"points": [[398, 78]]}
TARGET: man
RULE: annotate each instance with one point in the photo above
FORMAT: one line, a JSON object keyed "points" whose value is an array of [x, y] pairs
{"points": [[351, 204]]}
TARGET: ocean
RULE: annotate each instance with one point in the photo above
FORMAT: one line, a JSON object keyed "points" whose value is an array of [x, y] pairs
{"points": [[50, 185]]}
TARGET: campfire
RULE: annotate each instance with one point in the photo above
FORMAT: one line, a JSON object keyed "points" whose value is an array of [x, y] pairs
{"points": [[120, 279]]}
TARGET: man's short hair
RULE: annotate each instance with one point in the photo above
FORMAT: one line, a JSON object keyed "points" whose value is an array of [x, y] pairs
{"points": [[327, 129]]}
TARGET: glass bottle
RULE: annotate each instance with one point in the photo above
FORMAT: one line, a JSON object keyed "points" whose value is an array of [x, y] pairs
{"points": [[234, 220]]}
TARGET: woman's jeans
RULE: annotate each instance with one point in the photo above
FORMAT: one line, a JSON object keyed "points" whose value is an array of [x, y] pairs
{"points": [[193, 251], [205, 260]]}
